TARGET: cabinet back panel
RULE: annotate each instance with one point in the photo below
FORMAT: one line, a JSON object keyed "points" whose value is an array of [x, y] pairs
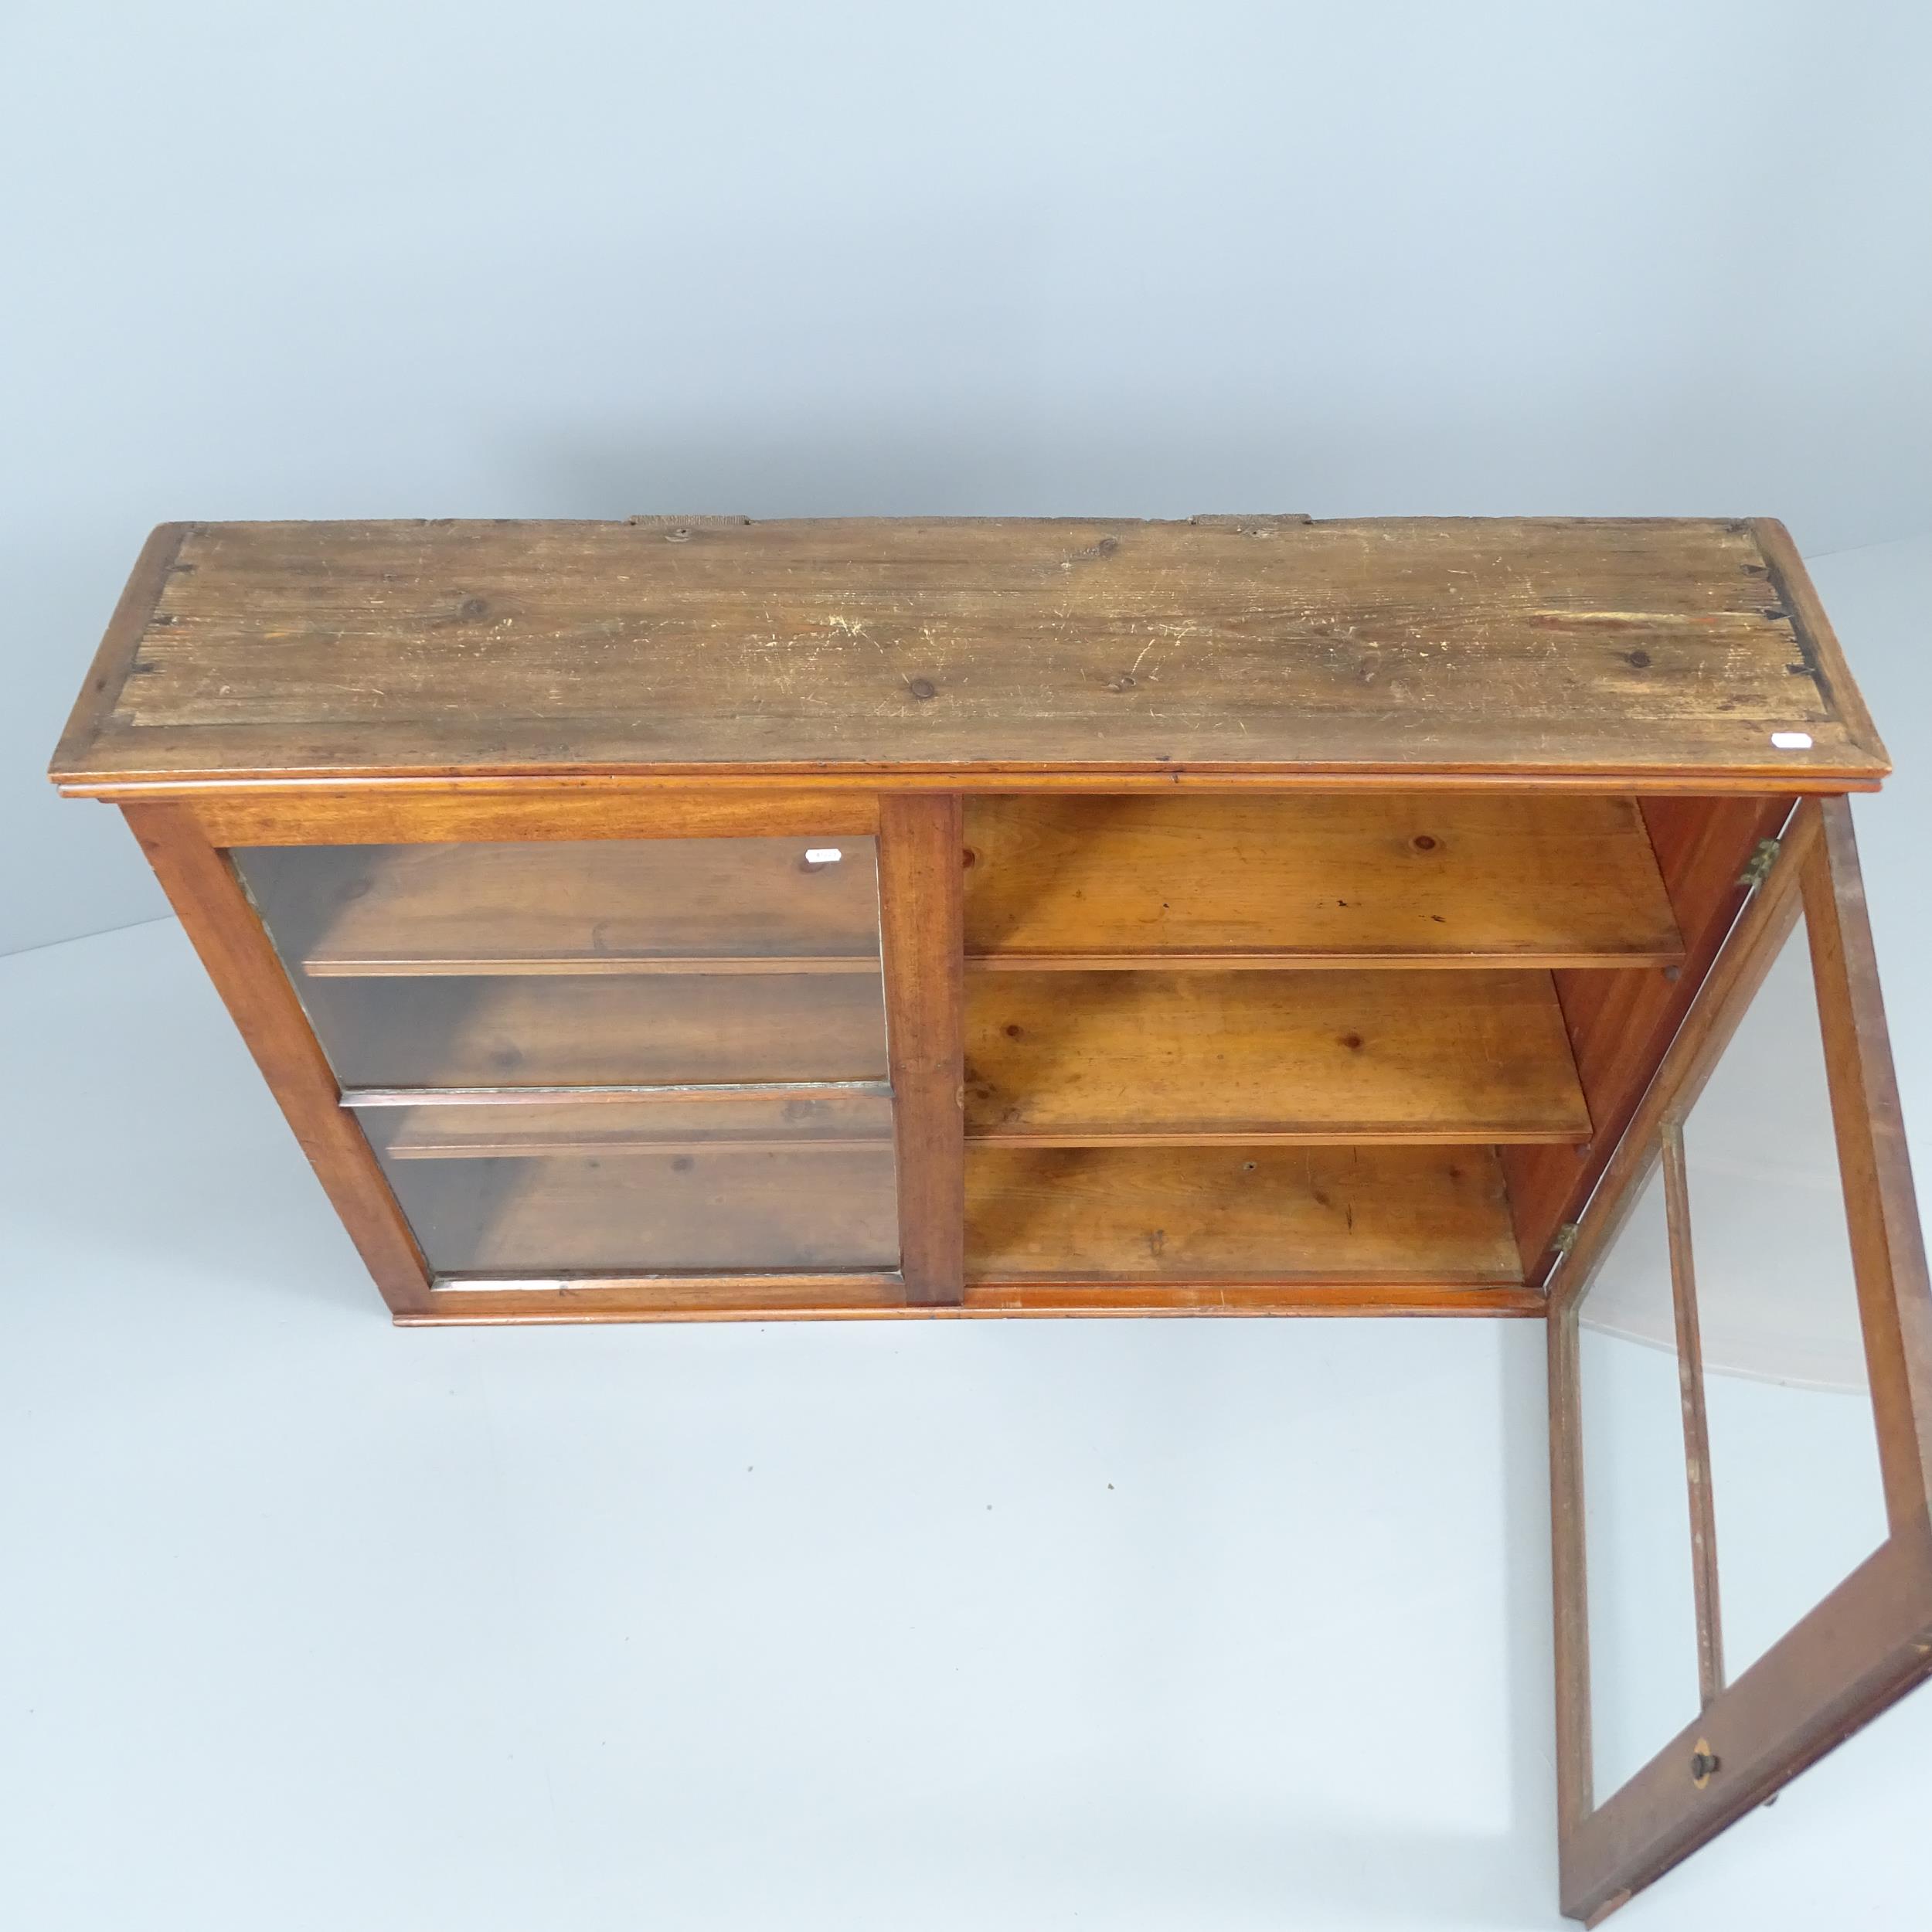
{"points": [[1071, 1057], [1406, 878], [1374, 1217]]}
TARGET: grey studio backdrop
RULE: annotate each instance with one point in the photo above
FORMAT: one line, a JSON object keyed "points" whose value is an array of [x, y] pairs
{"points": [[587, 260], [813, 1625]]}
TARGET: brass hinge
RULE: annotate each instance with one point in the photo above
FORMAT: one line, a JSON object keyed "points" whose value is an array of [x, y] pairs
{"points": [[1758, 867], [1566, 1238]]}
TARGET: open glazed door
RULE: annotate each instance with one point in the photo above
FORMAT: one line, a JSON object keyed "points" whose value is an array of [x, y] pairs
{"points": [[1741, 1399]]}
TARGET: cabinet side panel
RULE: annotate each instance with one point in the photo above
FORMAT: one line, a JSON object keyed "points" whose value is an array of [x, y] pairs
{"points": [[1620, 1022], [223, 927]]}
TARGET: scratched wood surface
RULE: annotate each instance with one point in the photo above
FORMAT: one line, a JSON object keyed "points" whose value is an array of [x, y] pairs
{"points": [[1262, 644]]}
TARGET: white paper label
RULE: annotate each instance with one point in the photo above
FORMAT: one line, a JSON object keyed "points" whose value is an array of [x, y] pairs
{"points": [[1792, 740], [831, 855]]}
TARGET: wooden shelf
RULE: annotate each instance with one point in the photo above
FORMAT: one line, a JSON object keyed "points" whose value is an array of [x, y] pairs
{"points": [[1203, 1216], [655, 1209], [600, 1123], [610, 906], [1059, 1059], [599, 1031], [1409, 878]]}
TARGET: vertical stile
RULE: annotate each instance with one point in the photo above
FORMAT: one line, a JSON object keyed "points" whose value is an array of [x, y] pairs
{"points": [[1697, 1447], [923, 928]]}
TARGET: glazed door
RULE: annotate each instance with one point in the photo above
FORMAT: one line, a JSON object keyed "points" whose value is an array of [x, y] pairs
{"points": [[605, 1057], [635, 1073], [1741, 1399]]}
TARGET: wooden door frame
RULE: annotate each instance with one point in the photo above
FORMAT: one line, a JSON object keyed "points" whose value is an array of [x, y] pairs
{"points": [[225, 930], [188, 841], [1870, 1640]]}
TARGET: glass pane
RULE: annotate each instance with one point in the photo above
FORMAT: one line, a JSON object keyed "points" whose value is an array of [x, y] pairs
{"points": [[654, 1210], [823, 1122], [598, 1185], [647, 962], [446, 982], [1643, 1613], [604, 1029], [1795, 1484]]}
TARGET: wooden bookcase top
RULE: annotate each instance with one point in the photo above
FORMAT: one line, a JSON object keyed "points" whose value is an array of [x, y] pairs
{"points": [[981, 653]]}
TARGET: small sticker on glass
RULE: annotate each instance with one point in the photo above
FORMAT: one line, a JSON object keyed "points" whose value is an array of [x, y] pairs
{"points": [[1792, 740], [831, 855]]}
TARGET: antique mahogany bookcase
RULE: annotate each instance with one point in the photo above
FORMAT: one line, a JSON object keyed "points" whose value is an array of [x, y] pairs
{"points": [[700, 918]]}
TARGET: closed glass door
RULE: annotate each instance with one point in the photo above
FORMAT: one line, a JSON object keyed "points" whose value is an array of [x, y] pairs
{"points": [[605, 1057]]}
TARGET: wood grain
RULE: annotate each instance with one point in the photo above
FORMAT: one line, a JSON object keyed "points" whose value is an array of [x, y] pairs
{"points": [[1520, 647], [1074, 1059], [1857, 1653], [1728, 990], [799, 1294], [1404, 879], [1569, 1575], [1870, 1640], [1621, 1022], [743, 905], [405, 810], [642, 1208], [1697, 1442], [658, 1029], [919, 847], [1823, 660], [497, 1302], [1208, 1217], [1352, 1300], [223, 930], [133, 612], [1888, 1243]]}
